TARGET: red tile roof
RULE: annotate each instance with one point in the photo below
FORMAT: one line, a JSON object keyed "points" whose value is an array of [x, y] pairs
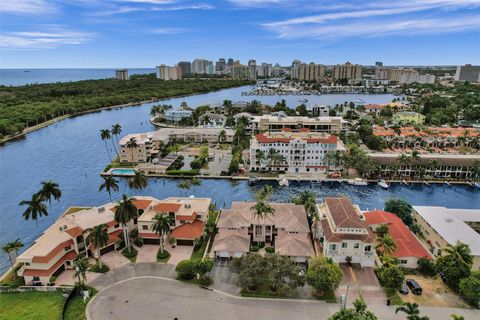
{"points": [[71, 255], [190, 231], [168, 207], [407, 244], [53, 253], [186, 218], [140, 204], [112, 238], [344, 213], [75, 232]]}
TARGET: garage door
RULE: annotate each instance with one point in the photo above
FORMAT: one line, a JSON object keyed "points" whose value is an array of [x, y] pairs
{"points": [[184, 242], [107, 249], [151, 241], [223, 254]]}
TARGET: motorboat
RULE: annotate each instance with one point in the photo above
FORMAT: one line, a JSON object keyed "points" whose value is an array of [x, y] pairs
{"points": [[383, 184], [358, 182], [283, 183], [303, 100]]}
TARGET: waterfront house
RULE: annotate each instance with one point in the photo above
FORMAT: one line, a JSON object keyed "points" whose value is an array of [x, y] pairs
{"points": [[409, 248], [441, 226], [176, 116], [293, 152], [344, 235], [212, 120], [286, 230]]}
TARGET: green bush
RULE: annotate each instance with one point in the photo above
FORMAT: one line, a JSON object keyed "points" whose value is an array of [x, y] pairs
{"points": [[185, 269], [163, 255], [138, 242], [134, 233], [96, 268], [270, 249], [196, 164], [254, 248], [205, 281], [192, 172], [261, 245]]}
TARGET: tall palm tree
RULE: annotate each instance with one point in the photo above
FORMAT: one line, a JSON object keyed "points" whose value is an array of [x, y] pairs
{"points": [[460, 254], [261, 209], [138, 181], [184, 185], [386, 244], [80, 265], [131, 144], [403, 159], [415, 155], [410, 309], [161, 226], [308, 199], [116, 130], [98, 236], [330, 157], [109, 184], [17, 245], [7, 248], [105, 135], [36, 208], [222, 136], [195, 182], [125, 211], [50, 189], [259, 156]]}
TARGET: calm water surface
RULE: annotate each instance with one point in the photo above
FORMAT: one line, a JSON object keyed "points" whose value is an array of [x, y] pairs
{"points": [[71, 153]]}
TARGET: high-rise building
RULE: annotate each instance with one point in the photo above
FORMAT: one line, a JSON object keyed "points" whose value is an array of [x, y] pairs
{"points": [[121, 74], [209, 69], [277, 70], [230, 62], [169, 73], [351, 72], [382, 73], [264, 70], [239, 71], [199, 66], [185, 66], [468, 73], [220, 65], [294, 70], [311, 72], [252, 69], [378, 64]]}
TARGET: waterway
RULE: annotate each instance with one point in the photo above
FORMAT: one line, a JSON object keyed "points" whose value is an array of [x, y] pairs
{"points": [[72, 154]]}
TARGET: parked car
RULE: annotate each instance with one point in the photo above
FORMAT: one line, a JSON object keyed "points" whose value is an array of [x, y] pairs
{"points": [[414, 286], [404, 289]]}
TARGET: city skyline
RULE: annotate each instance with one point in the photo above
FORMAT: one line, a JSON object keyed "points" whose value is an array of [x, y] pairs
{"points": [[147, 33]]}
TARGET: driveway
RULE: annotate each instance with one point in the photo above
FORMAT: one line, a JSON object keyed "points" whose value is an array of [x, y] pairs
{"points": [[361, 281], [114, 260], [148, 253], [179, 253], [66, 278]]}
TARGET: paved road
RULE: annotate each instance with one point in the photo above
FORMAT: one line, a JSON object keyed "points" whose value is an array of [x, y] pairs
{"points": [[156, 298]]}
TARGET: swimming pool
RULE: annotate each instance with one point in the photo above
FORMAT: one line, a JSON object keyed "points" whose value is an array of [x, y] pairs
{"points": [[125, 172]]}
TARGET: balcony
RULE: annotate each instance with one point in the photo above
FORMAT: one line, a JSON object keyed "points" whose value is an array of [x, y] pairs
{"points": [[368, 253]]}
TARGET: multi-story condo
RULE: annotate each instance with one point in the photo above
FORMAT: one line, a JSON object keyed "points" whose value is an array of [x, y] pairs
{"points": [[54, 251], [199, 66], [344, 234], [121, 74], [209, 68], [187, 219], [277, 70], [293, 152], [252, 69], [274, 123], [169, 73], [382, 73], [212, 120], [320, 110], [286, 230], [311, 72], [220, 65], [177, 115], [230, 62], [239, 71], [351, 72], [441, 226], [264, 70], [408, 249], [294, 69], [149, 144], [468, 73], [185, 67]]}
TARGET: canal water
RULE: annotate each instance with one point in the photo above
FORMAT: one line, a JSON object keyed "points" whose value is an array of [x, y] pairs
{"points": [[72, 154]]}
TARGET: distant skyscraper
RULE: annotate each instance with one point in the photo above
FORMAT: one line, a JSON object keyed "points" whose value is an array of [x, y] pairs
{"points": [[230, 62], [294, 70], [169, 73], [121, 74], [185, 66], [351, 72], [382, 73], [378, 64], [468, 73], [264, 70], [239, 71], [252, 69], [310, 72], [220, 65], [199, 66]]}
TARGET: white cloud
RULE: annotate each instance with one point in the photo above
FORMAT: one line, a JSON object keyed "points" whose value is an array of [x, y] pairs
{"points": [[167, 30], [117, 10], [44, 37], [201, 6], [260, 3], [150, 1], [26, 6]]}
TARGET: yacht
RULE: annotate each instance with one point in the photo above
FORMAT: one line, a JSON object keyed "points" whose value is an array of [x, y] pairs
{"points": [[303, 100], [383, 184], [283, 183], [358, 182]]}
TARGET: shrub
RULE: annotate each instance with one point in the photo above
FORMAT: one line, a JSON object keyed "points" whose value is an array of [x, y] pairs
{"points": [[192, 172], [261, 245], [51, 280], [470, 288], [426, 266], [185, 269], [134, 233], [96, 268], [205, 281], [269, 249], [254, 248], [138, 242], [163, 255], [196, 164]]}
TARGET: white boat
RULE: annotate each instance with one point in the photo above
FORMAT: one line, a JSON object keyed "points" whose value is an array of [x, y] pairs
{"points": [[383, 184], [283, 183], [358, 182], [476, 185], [303, 100]]}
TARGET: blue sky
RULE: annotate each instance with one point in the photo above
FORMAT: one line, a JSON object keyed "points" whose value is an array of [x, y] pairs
{"points": [[145, 33]]}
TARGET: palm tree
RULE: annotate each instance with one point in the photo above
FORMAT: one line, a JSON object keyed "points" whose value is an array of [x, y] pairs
{"points": [[222, 136], [17, 245], [195, 182], [109, 184], [403, 159], [80, 266], [138, 181], [161, 226], [50, 189], [415, 155], [265, 193], [131, 144], [411, 309], [7, 248], [259, 156], [124, 212], [262, 209], [98, 236], [36, 208], [308, 200], [184, 185], [116, 130], [456, 317], [105, 135], [459, 254], [386, 244], [330, 157]]}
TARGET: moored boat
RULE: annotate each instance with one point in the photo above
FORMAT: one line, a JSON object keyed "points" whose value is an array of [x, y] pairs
{"points": [[283, 183], [358, 182], [383, 184]]}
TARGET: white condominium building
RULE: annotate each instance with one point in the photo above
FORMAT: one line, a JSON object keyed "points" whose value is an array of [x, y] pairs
{"points": [[169, 73], [275, 123], [347, 71], [293, 152]]}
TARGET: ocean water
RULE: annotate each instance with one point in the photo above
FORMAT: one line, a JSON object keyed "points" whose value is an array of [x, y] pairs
{"points": [[19, 77]]}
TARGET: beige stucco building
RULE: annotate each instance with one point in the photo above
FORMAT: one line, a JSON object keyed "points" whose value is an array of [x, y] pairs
{"points": [[278, 122]]}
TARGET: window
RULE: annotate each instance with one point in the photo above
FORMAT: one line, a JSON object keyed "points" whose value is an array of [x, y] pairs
{"points": [[403, 261], [27, 264], [333, 247], [182, 221], [344, 245], [368, 248], [116, 226], [144, 227], [356, 245], [68, 248]]}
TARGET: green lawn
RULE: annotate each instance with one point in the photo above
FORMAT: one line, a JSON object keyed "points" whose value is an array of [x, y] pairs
{"points": [[9, 281], [31, 305], [76, 307]]}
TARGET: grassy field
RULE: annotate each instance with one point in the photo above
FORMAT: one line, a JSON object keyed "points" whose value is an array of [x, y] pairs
{"points": [[31, 305]]}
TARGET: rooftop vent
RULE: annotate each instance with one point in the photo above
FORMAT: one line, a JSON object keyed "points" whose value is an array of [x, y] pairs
{"points": [[188, 205], [101, 209]]}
